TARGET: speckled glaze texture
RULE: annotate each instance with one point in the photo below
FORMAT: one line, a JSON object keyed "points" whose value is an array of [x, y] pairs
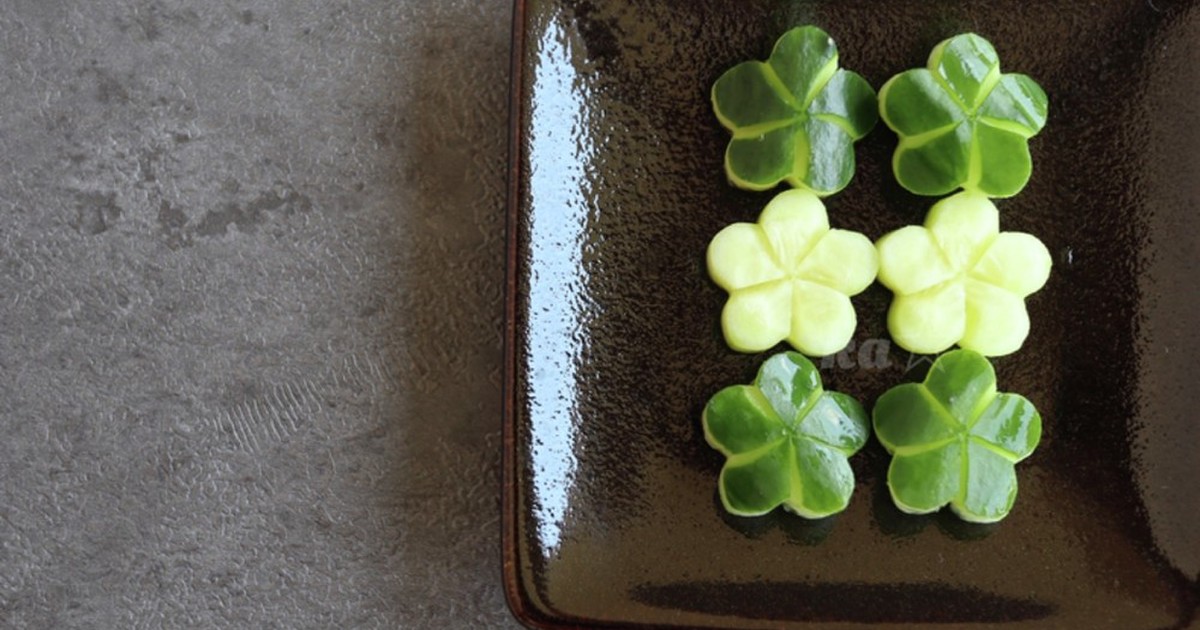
{"points": [[611, 514]]}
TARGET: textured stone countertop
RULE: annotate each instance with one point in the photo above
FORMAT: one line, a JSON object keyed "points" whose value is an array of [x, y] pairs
{"points": [[250, 313]]}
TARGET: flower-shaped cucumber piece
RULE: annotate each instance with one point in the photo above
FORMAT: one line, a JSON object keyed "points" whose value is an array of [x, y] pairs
{"points": [[786, 441], [959, 279], [954, 439], [790, 277], [961, 122], [794, 117]]}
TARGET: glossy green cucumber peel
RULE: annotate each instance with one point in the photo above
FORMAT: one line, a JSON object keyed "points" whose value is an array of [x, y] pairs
{"points": [[955, 440], [786, 441], [960, 280], [795, 117], [789, 276], [962, 123]]}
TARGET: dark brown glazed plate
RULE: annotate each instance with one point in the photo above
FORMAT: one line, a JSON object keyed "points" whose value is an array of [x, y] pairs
{"points": [[611, 516]]}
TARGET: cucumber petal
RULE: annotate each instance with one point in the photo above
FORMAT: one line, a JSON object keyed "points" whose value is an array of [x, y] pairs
{"points": [[755, 483], [804, 60], [793, 221], [923, 482], [757, 317], [1018, 104], [849, 102], [990, 489], [911, 261], [931, 321], [791, 385], [963, 226], [1015, 261], [739, 419], [760, 161], [997, 322], [740, 256], [842, 260], [823, 319], [935, 163], [745, 96], [1010, 423], [1003, 165], [902, 419], [968, 66], [838, 421], [824, 480], [829, 161], [963, 383], [914, 103]]}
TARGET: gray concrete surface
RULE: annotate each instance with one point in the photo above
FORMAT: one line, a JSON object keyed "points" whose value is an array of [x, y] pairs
{"points": [[250, 313]]}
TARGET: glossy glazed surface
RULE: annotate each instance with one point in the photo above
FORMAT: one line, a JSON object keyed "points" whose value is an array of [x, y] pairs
{"points": [[611, 514]]}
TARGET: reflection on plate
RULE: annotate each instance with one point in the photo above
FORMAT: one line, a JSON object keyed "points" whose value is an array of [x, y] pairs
{"points": [[611, 514]]}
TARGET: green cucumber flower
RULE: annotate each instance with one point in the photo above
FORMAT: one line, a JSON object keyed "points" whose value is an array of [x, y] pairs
{"points": [[786, 441], [955, 440], [794, 117], [962, 123]]}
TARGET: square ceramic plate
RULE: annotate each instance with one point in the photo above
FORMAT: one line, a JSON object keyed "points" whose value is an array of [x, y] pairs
{"points": [[611, 512]]}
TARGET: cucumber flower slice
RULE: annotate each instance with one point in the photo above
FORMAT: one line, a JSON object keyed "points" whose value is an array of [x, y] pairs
{"points": [[794, 117], [790, 277], [959, 279], [954, 439], [786, 441], [961, 122]]}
